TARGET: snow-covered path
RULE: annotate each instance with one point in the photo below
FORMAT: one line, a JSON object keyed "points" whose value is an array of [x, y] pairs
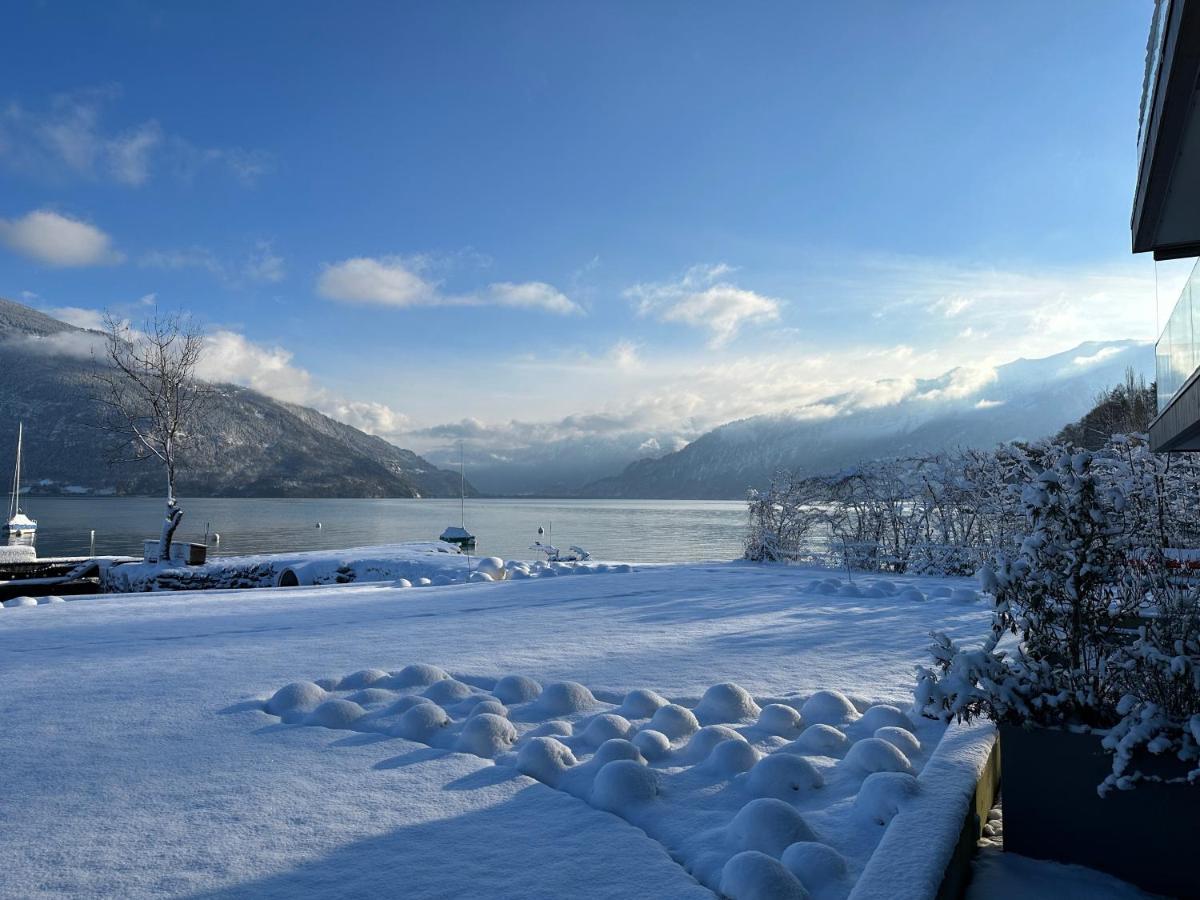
{"points": [[138, 759]]}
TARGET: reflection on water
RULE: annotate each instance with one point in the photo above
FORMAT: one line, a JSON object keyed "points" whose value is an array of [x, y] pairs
{"points": [[631, 530]]}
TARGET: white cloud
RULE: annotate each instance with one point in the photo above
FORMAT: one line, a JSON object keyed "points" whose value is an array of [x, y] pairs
{"points": [[999, 314], [188, 258], [952, 306], [69, 138], [261, 264], [78, 316], [402, 282], [1102, 354], [264, 264], [624, 355], [231, 357], [531, 295], [698, 298], [989, 404], [390, 281], [58, 240]]}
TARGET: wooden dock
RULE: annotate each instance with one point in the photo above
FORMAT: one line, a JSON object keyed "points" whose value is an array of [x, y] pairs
{"points": [[59, 577]]}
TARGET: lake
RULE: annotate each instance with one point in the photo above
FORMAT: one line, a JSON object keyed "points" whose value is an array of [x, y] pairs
{"points": [[628, 530]]}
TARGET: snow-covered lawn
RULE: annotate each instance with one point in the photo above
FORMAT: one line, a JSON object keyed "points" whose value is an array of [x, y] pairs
{"points": [[142, 754]]}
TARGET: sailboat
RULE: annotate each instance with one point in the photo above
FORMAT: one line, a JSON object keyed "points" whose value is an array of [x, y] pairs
{"points": [[20, 529], [458, 534]]}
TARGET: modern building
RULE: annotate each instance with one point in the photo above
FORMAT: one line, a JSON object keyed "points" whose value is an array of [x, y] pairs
{"points": [[1166, 209]]}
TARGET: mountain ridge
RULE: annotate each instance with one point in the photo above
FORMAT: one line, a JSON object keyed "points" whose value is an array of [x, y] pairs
{"points": [[1025, 400], [248, 444]]}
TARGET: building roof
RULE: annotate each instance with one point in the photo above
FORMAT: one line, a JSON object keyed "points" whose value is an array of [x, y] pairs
{"points": [[1166, 209]]}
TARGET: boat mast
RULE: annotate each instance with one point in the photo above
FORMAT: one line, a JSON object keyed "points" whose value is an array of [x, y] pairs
{"points": [[15, 504]]}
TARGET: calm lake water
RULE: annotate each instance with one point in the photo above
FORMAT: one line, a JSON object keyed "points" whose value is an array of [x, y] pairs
{"points": [[631, 530]]}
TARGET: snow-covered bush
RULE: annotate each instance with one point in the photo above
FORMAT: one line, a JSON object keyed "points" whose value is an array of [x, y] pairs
{"points": [[783, 519], [939, 514], [1107, 627]]}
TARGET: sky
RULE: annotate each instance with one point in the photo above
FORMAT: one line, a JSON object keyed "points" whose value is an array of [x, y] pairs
{"points": [[613, 224]]}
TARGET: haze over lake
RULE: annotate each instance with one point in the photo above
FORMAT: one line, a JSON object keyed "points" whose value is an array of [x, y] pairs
{"points": [[627, 530]]}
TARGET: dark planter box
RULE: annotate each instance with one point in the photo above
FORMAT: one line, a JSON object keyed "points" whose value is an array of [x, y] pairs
{"points": [[1146, 836]]}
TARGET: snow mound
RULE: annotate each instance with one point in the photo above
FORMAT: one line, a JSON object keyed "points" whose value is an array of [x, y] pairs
{"points": [[605, 727], [726, 702], [565, 697], [784, 777], [882, 794], [705, 740], [884, 585], [553, 728], [364, 678], [849, 589], [880, 716], [449, 691], [622, 784], [487, 735], [402, 583], [900, 738], [875, 755], [654, 745], [418, 675], [424, 582], [422, 723], [912, 595], [730, 758], [751, 875], [516, 689], [336, 713], [641, 704], [545, 759], [820, 740], [675, 721], [372, 697], [816, 865], [297, 698], [479, 577], [493, 567], [403, 705], [767, 825], [965, 595], [490, 707], [780, 720], [615, 749], [47, 601], [16, 602], [828, 708]]}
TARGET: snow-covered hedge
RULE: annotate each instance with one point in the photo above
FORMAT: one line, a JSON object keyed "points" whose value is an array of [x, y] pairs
{"points": [[952, 513], [1106, 613], [940, 514]]}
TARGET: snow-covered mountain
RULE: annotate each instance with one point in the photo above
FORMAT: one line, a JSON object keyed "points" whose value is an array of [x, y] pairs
{"points": [[1025, 399], [250, 444]]}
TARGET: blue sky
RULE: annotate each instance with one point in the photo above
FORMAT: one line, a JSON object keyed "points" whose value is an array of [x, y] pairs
{"points": [[532, 221]]}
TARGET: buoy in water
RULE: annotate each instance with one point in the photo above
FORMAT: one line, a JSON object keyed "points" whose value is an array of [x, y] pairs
{"points": [[318, 524]]}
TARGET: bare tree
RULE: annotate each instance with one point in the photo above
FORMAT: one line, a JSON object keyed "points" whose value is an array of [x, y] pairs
{"points": [[149, 396]]}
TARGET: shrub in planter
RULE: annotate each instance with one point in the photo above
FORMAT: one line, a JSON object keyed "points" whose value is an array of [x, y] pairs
{"points": [[1107, 634], [1093, 631]]}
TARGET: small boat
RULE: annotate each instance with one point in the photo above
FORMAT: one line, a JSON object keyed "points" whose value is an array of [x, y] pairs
{"points": [[553, 554], [458, 534], [19, 529]]}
